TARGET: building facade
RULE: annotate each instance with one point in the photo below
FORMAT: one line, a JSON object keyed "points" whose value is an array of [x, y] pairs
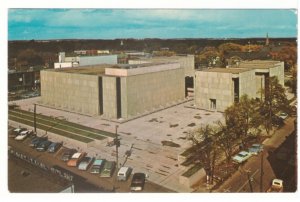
{"points": [[218, 88], [114, 92]]}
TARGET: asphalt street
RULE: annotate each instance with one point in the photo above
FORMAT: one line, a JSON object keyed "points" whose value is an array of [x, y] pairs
{"points": [[276, 161]]}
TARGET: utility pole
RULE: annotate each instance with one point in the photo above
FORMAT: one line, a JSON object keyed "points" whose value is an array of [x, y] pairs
{"points": [[117, 143], [34, 118], [261, 171]]}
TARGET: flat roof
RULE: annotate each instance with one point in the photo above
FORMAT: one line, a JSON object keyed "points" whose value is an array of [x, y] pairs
{"points": [[226, 70], [100, 69], [258, 64], [137, 69], [91, 69]]}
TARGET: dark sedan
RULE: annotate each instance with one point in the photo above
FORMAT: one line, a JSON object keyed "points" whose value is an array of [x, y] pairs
{"points": [[137, 182], [43, 146], [54, 147], [36, 141]]}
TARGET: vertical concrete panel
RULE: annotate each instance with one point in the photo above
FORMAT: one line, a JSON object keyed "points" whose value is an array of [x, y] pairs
{"points": [[146, 92], [109, 97], [213, 85], [70, 91], [124, 95], [247, 83]]}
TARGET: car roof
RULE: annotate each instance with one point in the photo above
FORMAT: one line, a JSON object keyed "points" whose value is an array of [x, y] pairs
{"points": [[243, 152], [139, 174], [123, 169], [76, 155], [98, 162]]}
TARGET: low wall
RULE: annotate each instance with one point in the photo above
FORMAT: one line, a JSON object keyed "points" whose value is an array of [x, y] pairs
{"points": [[190, 181]]}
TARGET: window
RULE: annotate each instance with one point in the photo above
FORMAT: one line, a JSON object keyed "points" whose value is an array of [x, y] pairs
{"points": [[213, 103]]}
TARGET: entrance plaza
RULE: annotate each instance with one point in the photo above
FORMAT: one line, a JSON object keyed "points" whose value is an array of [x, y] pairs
{"points": [[143, 136]]}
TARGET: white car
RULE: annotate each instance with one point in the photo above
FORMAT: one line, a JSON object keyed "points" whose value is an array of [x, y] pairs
{"points": [[255, 149], [241, 157], [283, 115], [23, 135]]}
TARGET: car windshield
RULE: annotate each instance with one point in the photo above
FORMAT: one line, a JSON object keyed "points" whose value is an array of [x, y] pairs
{"points": [[242, 155]]}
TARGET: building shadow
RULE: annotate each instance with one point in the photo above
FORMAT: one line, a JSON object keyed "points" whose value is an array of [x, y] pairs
{"points": [[283, 161]]}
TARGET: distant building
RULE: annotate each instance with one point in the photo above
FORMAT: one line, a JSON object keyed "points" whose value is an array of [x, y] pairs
{"points": [[102, 52], [113, 92], [218, 88], [78, 61]]}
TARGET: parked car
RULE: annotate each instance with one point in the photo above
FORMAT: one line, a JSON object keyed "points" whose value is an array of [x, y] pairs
{"points": [[97, 165], [108, 169], [54, 147], [16, 132], [76, 159], [276, 186], [43, 146], [85, 163], [137, 182], [283, 115], [241, 157], [255, 149], [24, 134], [36, 141], [124, 173], [66, 156]]}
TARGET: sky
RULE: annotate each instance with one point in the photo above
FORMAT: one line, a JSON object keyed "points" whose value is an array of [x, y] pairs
{"points": [[27, 24]]}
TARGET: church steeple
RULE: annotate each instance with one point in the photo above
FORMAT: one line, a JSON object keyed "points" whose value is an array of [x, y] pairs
{"points": [[267, 39]]}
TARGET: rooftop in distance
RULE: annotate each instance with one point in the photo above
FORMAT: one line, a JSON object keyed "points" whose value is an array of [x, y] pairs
{"points": [[226, 70], [258, 64], [107, 69]]}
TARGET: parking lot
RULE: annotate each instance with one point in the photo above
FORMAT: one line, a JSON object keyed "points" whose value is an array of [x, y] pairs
{"points": [[143, 137], [42, 165]]}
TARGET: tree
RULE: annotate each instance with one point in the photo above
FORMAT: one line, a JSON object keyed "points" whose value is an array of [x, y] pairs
{"points": [[228, 47], [205, 148], [242, 117], [288, 54], [275, 101], [30, 57], [226, 139]]}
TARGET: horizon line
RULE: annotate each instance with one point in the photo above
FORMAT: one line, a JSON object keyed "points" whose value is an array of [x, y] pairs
{"points": [[181, 38]]}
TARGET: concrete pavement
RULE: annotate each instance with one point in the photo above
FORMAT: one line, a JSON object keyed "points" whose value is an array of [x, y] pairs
{"points": [[145, 136]]}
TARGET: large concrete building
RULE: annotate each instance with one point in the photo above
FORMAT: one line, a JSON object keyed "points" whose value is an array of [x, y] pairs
{"points": [[113, 92], [218, 88]]}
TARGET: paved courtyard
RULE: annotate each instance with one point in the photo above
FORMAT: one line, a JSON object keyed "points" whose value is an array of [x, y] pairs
{"points": [[143, 136]]}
